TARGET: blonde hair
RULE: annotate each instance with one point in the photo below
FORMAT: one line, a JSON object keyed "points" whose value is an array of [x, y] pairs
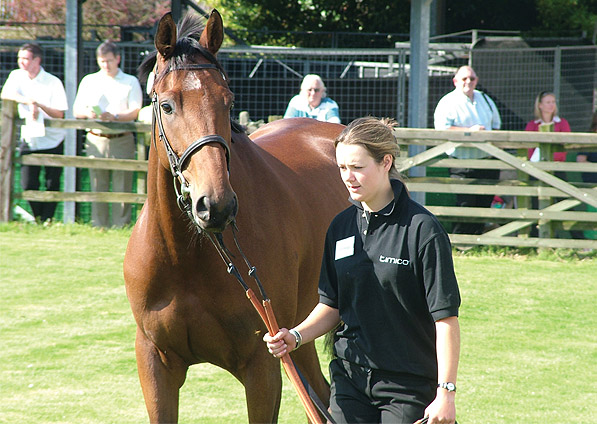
{"points": [[538, 100], [376, 136]]}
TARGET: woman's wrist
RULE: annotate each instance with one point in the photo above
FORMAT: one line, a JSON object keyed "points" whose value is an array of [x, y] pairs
{"points": [[298, 338]]}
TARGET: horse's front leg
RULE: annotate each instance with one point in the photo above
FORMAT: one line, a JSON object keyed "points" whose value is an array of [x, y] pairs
{"points": [[161, 378], [263, 387]]}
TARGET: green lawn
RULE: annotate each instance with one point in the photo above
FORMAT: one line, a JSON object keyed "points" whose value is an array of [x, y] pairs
{"points": [[529, 337]]}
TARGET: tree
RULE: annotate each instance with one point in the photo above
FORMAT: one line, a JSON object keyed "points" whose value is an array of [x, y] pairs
{"points": [[283, 19], [562, 16], [103, 15], [533, 17], [275, 22]]}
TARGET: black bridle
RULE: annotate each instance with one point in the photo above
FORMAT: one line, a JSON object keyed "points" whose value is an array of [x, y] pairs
{"points": [[178, 164]]}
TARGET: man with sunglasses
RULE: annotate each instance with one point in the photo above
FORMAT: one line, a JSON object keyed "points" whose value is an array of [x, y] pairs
{"points": [[312, 102], [466, 108]]}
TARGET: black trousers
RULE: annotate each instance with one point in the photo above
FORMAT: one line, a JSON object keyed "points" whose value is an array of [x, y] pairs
{"points": [[30, 181], [473, 200], [366, 396]]}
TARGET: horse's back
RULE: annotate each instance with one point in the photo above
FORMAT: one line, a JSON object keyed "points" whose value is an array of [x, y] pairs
{"points": [[300, 151], [294, 160]]}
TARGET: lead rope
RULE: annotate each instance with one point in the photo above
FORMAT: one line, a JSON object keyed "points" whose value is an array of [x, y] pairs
{"points": [[266, 312]]}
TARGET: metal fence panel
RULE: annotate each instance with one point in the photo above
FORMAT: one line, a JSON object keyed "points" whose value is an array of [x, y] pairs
{"points": [[374, 81]]}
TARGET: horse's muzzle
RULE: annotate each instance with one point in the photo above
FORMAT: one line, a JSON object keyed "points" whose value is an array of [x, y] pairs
{"points": [[214, 216]]}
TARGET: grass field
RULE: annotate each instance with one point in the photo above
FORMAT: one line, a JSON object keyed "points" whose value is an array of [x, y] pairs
{"points": [[529, 337]]}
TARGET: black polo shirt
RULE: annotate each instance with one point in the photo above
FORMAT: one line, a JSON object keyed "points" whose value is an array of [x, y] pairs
{"points": [[391, 276]]}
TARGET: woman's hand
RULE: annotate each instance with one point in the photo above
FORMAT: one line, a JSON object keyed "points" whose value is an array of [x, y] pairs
{"points": [[442, 409], [281, 343]]}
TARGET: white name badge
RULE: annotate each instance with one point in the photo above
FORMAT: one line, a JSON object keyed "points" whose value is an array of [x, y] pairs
{"points": [[344, 248]]}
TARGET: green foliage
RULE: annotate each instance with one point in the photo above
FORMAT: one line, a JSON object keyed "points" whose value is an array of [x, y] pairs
{"points": [[561, 16], [276, 23], [527, 320], [284, 18]]}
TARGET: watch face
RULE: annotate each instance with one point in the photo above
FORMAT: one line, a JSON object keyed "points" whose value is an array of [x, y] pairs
{"points": [[451, 387]]}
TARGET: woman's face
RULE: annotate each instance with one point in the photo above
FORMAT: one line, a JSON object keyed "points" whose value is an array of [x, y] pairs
{"points": [[366, 180], [547, 105]]}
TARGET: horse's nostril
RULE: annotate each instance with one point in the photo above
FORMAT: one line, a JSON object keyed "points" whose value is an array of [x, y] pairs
{"points": [[202, 208]]}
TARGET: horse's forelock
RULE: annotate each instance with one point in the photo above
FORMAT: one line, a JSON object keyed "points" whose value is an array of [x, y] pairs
{"points": [[191, 26]]}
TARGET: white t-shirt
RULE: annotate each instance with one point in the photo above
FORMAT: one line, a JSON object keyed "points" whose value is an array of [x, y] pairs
{"points": [[115, 95], [457, 109], [45, 89]]}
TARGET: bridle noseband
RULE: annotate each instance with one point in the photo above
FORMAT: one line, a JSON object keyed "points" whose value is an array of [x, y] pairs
{"points": [[177, 164]]}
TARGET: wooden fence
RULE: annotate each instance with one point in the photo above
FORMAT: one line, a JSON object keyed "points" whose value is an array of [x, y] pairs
{"points": [[561, 208]]}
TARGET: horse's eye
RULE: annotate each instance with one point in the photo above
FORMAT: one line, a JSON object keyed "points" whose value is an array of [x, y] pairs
{"points": [[231, 105], [167, 108]]}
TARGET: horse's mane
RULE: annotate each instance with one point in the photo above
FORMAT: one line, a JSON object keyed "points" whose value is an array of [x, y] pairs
{"points": [[187, 45]]}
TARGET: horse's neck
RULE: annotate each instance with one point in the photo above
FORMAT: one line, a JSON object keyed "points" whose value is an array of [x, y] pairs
{"points": [[162, 211]]}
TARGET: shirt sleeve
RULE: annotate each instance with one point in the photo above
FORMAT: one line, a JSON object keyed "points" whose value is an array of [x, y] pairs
{"points": [[564, 126], [439, 279], [59, 100], [333, 115], [10, 87], [496, 120], [328, 282], [135, 95], [441, 117], [81, 99], [291, 111]]}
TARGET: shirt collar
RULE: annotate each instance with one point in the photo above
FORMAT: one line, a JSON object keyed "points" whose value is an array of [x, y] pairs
{"points": [[397, 188], [556, 119]]}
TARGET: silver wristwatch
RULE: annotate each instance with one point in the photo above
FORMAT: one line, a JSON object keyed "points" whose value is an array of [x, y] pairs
{"points": [[297, 337], [451, 387]]}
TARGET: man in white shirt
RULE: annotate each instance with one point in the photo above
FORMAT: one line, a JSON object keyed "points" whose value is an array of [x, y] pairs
{"points": [[40, 95], [466, 108], [109, 95]]}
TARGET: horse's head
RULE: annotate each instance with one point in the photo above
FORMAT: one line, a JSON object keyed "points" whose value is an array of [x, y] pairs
{"points": [[191, 106]]}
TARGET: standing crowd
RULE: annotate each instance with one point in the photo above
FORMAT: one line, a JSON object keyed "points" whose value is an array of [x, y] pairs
{"points": [[107, 95]]}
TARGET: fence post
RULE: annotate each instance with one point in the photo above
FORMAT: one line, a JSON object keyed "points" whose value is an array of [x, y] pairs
{"points": [[545, 229], [7, 148], [523, 202]]}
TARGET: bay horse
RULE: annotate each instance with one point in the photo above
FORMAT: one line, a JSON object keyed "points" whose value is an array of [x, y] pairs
{"points": [[281, 189]]}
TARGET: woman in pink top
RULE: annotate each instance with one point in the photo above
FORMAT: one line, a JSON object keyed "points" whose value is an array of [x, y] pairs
{"points": [[546, 112]]}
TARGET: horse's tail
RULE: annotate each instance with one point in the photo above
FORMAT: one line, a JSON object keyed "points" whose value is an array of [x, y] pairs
{"points": [[328, 341]]}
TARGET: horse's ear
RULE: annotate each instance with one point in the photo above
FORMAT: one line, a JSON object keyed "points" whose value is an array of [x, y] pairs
{"points": [[213, 34], [165, 37]]}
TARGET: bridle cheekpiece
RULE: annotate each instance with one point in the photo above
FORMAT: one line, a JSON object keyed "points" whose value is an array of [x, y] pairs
{"points": [[177, 164]]}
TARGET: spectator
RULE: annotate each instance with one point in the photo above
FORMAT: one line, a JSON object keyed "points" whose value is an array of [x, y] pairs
{"points": [[40, 95], [312, 102], [547, 119], [109, 95], [387, 280], [466, 108]]}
